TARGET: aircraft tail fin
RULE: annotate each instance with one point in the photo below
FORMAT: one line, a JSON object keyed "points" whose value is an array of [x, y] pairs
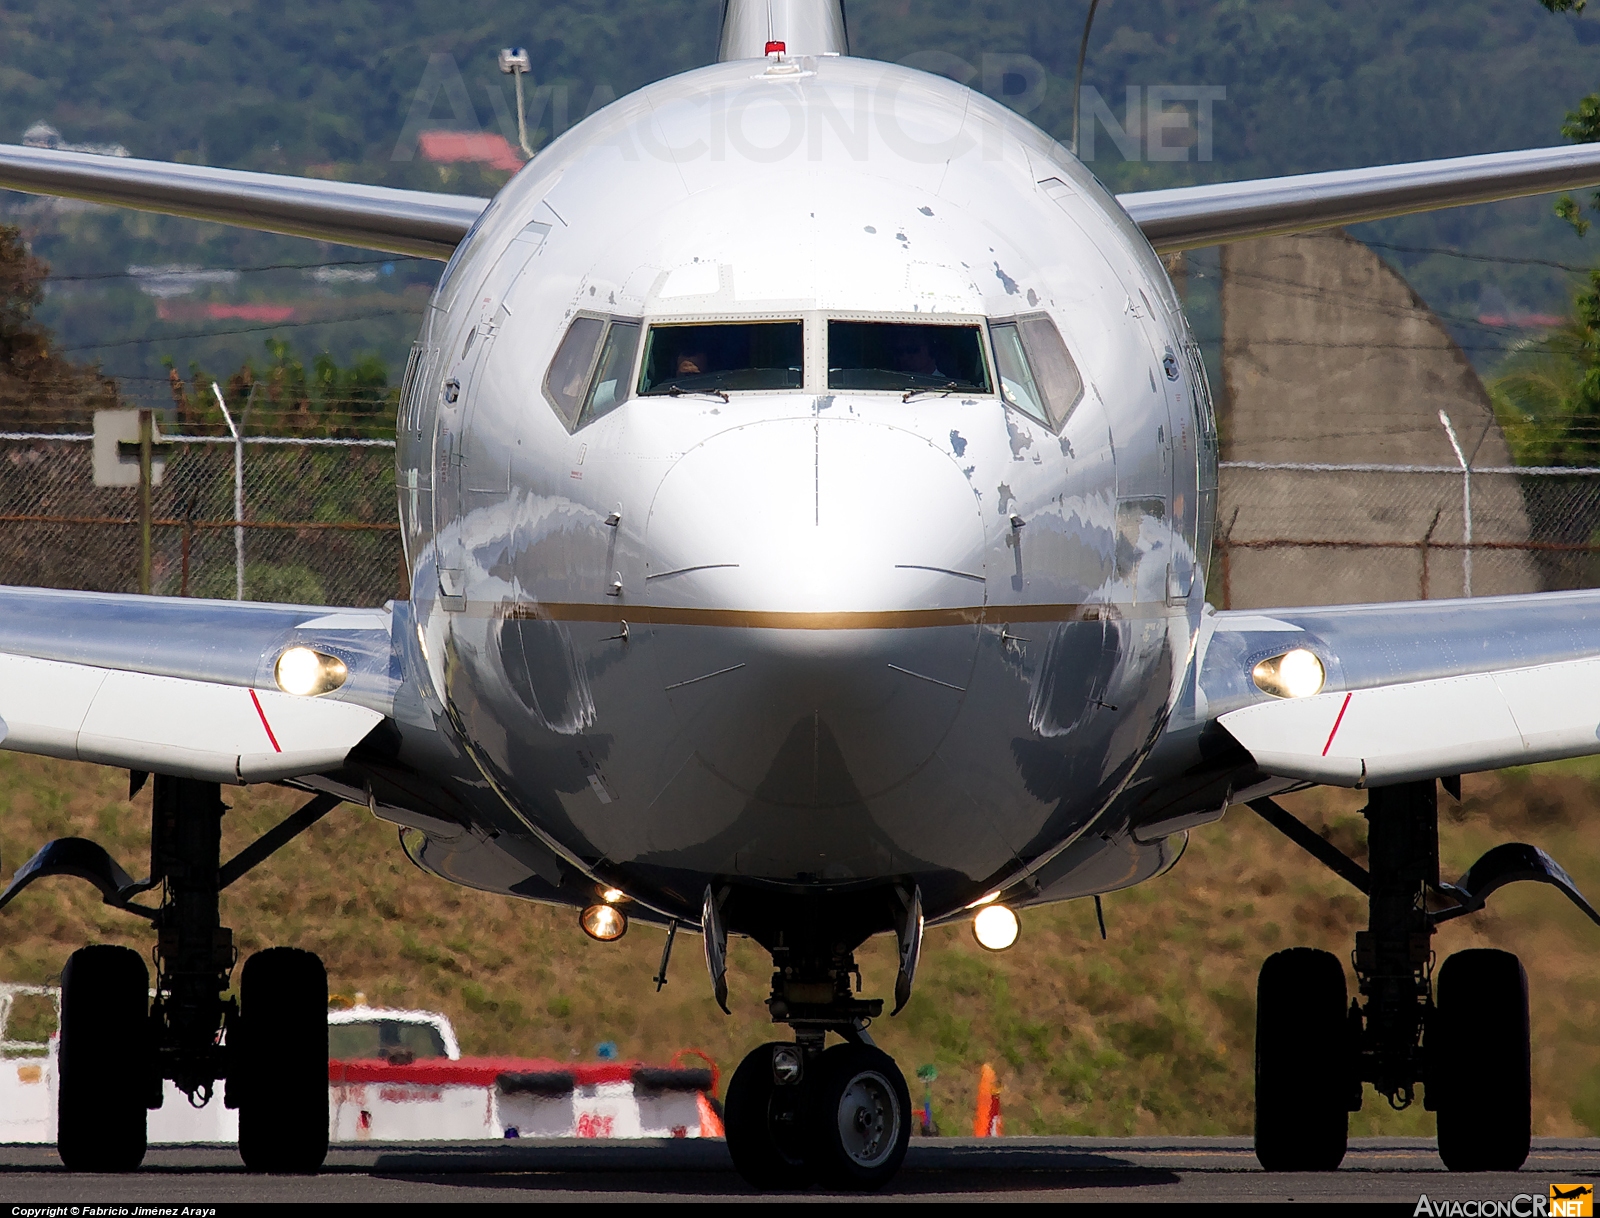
{"points": [[805, 27]]}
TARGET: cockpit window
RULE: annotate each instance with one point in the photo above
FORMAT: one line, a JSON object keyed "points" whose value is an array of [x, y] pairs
{"points": [[609, 386], [588, 377], [719, 357], [568, 379], [1037, 373], [908, 357]]}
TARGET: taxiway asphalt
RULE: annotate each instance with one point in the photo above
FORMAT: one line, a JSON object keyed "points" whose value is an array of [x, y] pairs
{"points": [[969, 1169]]}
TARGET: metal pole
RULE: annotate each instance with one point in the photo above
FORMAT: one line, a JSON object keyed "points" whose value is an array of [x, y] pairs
{"points": [[1466, 506], [1077, 84], [146, 428], [238, 497]]}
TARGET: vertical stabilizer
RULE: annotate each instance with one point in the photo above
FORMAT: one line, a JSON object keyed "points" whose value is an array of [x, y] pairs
{"points": [[805, 27]]}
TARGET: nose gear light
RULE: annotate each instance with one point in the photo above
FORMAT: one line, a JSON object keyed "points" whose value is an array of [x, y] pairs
{"points": [[308, 673], [1294, 674], [995, 928]]}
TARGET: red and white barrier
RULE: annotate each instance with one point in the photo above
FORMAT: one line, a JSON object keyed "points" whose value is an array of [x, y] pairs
{"points": [[477, 1098]]}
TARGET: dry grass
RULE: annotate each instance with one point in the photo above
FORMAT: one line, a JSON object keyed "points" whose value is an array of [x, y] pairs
{"points": [[1148, 1032]]}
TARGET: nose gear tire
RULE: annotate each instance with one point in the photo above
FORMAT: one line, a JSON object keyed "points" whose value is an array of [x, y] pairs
{"points": [[280, 1082], [760, 1120], [107, 1060], [1304, 1070], [1479, 1062], [858, 1117]]}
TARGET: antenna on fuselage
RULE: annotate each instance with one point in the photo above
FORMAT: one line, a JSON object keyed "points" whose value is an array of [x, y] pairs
{"points": [[514, 63]]}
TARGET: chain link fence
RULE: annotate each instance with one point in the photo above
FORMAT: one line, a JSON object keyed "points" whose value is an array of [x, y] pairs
{"points": [[319, 524], [1301, 533]]}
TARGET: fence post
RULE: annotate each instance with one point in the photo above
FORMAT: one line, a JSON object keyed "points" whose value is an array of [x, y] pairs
{"points": [[238, 497], [1466, 506], [146, 443]]}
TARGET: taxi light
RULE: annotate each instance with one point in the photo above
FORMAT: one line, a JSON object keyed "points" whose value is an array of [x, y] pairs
{"points": [[306, 673], [606, 923], [1294, 674], [986, 899], [995, 928], [612, 895]]}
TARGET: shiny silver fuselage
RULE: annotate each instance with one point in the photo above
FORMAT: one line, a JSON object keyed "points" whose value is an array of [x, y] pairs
{"points": [[810, 639]]}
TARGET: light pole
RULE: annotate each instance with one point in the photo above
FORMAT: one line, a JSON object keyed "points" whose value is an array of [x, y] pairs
{"points": [[514, 63]]}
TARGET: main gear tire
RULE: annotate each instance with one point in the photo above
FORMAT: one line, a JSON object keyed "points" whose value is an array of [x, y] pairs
{"points": [[279, 1055], [1479, 1062], [106, 1060], [1304, 1067]]}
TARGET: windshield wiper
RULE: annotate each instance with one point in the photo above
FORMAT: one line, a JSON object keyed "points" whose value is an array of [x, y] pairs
{"points": [[675, 392], [950, 388]]}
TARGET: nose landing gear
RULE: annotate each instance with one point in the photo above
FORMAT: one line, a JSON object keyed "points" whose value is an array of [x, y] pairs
{"points": [[843, 1119], [801, 1112]]}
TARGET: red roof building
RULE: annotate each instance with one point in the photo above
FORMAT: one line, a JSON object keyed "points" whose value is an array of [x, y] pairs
{"points": [[479, 147]]}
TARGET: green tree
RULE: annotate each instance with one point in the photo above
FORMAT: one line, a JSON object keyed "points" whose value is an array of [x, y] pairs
{"points": [[1546, 393], [284, 397], [38, 387]]}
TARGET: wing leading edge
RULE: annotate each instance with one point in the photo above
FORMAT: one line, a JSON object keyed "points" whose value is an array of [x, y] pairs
{"points": [[185, 687], [370, 217]]}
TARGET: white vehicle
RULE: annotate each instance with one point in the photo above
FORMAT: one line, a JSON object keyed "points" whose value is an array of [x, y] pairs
{"points": [[807, 479], [363, 1033]]}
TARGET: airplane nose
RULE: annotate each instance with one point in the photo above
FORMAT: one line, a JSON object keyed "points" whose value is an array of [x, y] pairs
{"points": [[813, 597]]}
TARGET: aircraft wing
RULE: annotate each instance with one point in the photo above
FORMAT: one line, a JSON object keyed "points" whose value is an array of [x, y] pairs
{"points": [[1190, 217], [431, 225], [186, 687], [1422, 689], [370, 217]]}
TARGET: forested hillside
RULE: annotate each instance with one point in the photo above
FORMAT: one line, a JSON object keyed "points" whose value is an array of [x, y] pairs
{"points": [[329, 89]]}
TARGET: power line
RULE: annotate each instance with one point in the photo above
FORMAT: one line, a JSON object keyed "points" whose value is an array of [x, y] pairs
{"points": [[1471, 257], [287, 325], [176, 272]]}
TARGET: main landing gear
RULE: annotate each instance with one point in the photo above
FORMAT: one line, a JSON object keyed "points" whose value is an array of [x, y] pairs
{"points": [[803, 1112], [1463, 1035], [118, 1046]]}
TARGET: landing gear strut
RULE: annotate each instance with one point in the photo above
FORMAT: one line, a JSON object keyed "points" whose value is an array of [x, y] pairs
{"points": [[117, 1046], [1468, 1046], [802, 1112]]}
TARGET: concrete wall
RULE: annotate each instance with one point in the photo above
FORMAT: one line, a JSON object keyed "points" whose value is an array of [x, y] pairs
{"points": [[1330, 357]]}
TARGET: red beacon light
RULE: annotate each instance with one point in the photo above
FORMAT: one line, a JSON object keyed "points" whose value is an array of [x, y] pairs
{"points": [[777, 48]]}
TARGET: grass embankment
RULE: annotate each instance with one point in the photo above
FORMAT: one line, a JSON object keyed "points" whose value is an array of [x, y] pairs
{"points": [[1149, 1032]]}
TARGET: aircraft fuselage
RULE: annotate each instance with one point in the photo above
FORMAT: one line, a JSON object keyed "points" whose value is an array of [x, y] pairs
{"points": [[830, 630]]}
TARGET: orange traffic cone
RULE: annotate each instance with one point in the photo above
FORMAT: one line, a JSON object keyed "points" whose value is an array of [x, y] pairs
{"points": [[987, 1122]]}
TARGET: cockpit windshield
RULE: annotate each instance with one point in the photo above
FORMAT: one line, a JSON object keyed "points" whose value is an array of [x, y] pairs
{"points": [[718, 357], [909, 357]]}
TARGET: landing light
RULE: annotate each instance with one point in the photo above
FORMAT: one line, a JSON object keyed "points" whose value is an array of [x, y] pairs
{"points": [[612, 895], [1294, 674], [995, 928], [606, 923], [307, 673], [986, 899]]}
